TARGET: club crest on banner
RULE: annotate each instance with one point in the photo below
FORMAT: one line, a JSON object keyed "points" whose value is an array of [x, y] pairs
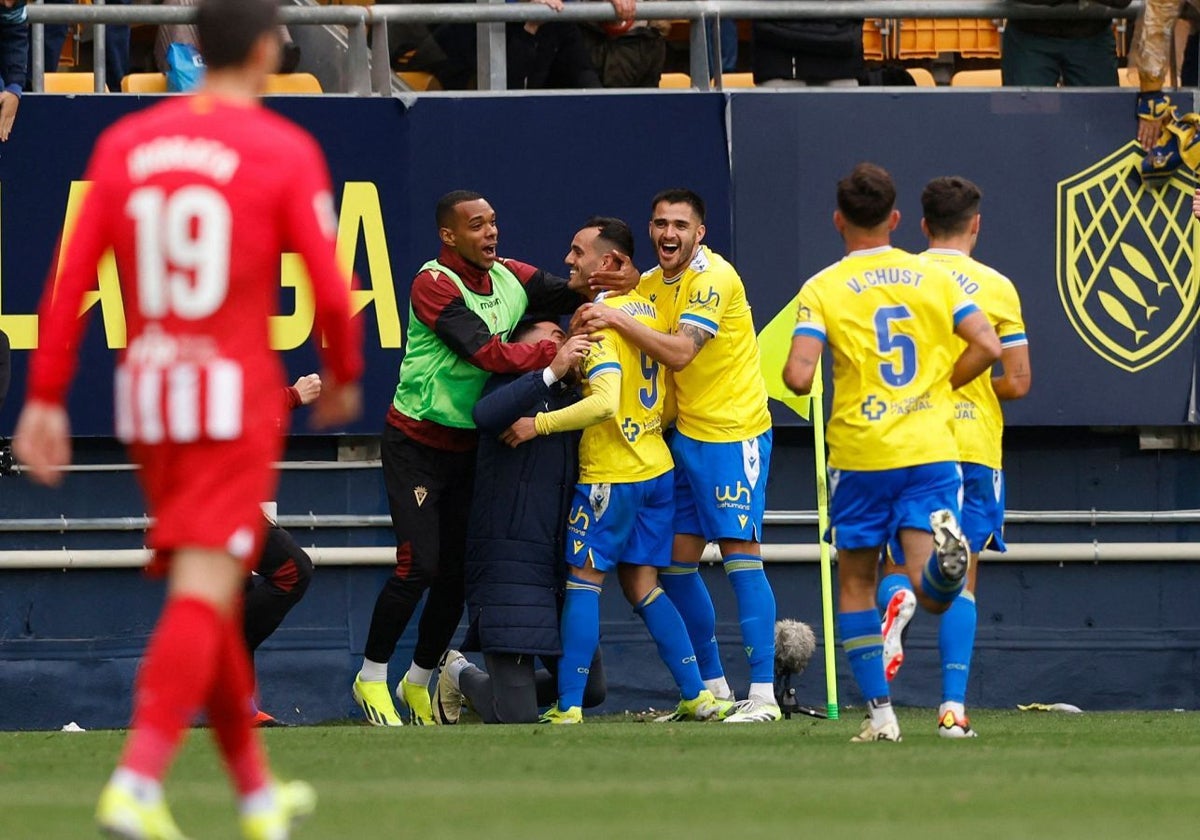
{"points": [[1127, 273]]}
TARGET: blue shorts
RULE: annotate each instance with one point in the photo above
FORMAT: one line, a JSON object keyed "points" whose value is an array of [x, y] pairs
{"points": [[721, 488], [868, 506], [621, 523], [983, 507]]}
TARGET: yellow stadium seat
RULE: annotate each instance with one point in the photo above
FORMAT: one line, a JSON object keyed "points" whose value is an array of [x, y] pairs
{"points": [[144, 83], [418, 80], [737, 80], [874, 46], [922, 77], [929, 38], [976, 78], [292, 83], [69, 83], [675, 80], [1128, 77]]}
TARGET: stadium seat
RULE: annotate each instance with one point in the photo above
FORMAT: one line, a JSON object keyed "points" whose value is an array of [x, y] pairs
{"points": [[922, 77], [736, 80], [929, 38], [874, 43], [1127, 77], [976, 78], [418, 80], [675, 80], [69, 83], [144, 83], [292, 83]]}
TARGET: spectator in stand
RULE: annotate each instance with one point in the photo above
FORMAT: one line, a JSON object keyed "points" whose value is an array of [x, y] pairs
{"points": [[185, 33], [540, 55], [628, 53], [14, 61], [1076, 52], [1186, 44], [808, 53], [116, 46], [728, 36], [1150, 54]]}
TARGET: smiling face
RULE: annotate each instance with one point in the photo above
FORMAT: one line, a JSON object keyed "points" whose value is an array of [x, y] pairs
{"points": [[472, 232], [587, 255], [676, 232]]}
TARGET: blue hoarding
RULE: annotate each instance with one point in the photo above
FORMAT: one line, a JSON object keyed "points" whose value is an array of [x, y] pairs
{"points": [[1105, 268]]}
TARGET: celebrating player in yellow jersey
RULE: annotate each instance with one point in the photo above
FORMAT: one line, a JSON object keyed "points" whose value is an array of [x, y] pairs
{"points": [[722, 442], [623, 507], [951, 222], [890, 318]]}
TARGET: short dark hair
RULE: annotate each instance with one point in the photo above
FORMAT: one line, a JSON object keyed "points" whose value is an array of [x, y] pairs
{"points": [[949, 204], [527, 324], [678, 195], [866, 196], [228, 29], [447, 203], [615, 233]]}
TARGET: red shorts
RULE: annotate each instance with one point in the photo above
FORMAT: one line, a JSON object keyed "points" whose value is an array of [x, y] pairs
{"points": [[208, 494]]}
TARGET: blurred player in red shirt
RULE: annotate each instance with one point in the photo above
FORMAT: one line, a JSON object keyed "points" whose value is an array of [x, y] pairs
{"points": [[198, 197]]}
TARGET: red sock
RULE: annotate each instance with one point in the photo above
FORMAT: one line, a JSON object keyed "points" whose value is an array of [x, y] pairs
{"points": [[230, 713], [175, 676]]}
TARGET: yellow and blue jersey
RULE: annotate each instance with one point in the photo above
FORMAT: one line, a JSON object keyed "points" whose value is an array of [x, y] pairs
{"points": [[721, 396], [630, 446], [888, 317], [978, 420]]}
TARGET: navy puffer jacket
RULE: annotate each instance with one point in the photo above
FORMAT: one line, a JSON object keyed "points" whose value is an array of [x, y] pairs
{"points": [[514, 567]]}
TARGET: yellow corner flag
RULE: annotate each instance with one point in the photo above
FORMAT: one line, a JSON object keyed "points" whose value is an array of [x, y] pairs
{"points": [[774, 344]]}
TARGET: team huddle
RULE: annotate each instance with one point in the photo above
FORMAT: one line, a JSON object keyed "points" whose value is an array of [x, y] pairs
{"points": [[523, 464], [642, 506], [675, 453]]}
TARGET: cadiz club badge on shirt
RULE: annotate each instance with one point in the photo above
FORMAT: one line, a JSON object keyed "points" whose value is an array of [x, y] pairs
{"points": [[1127, 273]]}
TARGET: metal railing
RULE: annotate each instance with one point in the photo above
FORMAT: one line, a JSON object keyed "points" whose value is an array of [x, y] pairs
{"points": [[1094, 551], [370, 66], [64, 524], [782, 553]]}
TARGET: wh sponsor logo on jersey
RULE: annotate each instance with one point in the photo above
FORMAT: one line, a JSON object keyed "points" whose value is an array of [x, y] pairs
{"points": [[736, 496]]}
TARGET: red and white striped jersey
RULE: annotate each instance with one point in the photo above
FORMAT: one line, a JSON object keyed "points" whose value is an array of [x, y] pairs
{"points": [[198, 197]]}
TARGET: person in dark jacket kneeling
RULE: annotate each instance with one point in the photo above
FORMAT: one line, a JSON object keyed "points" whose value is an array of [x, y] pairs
{"points": [[514, 568], [808, 53]]}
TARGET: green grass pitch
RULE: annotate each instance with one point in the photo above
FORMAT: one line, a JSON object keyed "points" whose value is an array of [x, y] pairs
{"points": [[1029, 775]]}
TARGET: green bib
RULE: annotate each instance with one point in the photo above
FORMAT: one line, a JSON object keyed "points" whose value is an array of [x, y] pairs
{"points": [[436, 383]]}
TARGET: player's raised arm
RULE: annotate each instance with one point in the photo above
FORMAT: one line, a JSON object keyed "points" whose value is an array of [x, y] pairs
{"points": [[982, 350], [311, 228], [604, 398], [675, 350], [60, 326], [42, 439], [499, 407]]}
